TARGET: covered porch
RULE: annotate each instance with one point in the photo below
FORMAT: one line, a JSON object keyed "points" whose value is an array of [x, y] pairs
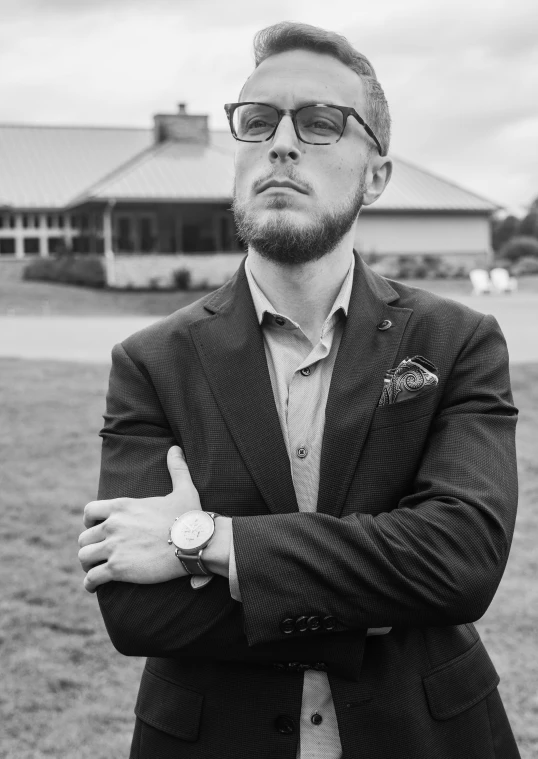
{"points": [[121, 228]]}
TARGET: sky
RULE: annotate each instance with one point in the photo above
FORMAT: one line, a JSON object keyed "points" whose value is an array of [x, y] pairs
{"points": [[460, 76]]}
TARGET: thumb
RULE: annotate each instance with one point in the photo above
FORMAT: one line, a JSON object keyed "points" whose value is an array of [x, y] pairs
{"points": [[177, 466]]}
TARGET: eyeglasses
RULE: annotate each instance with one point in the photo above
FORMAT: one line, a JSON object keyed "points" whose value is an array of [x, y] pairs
{"points": [[318, 124]]}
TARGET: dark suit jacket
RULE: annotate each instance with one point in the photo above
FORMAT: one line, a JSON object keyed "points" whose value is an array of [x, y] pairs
{"points": [[415, 515]]}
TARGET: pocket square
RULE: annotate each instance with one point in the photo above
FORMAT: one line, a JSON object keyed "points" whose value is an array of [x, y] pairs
{"points": [[411, 376]]}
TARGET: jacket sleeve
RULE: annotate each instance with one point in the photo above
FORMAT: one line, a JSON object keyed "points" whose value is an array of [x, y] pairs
{"points": [[437, 557], [171, 619]]}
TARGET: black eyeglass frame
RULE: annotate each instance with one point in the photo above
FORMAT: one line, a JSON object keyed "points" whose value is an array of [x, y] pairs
{"points": [[344, 110]]}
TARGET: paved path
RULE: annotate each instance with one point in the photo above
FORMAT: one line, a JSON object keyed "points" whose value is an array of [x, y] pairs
{"points": [[81, 338], [66, 338]]}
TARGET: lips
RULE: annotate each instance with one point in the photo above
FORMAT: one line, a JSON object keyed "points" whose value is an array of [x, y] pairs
{"points": [[282, 183]]}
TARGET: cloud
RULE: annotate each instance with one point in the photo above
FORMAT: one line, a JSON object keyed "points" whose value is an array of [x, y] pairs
{"points": [[460, 77]]}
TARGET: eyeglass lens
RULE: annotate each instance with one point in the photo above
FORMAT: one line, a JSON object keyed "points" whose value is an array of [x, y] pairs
{"points": [[254, 122]]}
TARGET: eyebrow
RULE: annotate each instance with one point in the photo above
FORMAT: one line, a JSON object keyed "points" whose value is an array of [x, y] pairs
{"points": [[299, 104]]}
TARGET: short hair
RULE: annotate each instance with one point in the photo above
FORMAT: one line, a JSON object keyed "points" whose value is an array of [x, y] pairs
{"points": [[291, 35]]}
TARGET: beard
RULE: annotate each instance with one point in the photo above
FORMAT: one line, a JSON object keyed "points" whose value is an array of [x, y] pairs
{"points": [[282, 240]]}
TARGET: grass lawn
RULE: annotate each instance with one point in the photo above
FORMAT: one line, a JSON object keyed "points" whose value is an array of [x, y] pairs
{"points": [[18, 297], [66, 693]]}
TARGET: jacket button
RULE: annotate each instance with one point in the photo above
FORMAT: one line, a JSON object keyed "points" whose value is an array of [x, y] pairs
{"points": [[314, 623], [285, 724], [316, 719], [287, 626], [329, 623], [301, 624], [385, 324]]}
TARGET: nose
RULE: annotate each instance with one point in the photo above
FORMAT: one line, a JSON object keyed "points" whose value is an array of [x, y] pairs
{"points": [[285, 144]]}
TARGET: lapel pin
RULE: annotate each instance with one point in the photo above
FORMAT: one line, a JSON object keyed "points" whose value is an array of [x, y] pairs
{"points": [[385, 324]]}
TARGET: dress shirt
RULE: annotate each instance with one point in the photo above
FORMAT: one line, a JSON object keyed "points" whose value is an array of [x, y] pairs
{"points": [[300, 375]]}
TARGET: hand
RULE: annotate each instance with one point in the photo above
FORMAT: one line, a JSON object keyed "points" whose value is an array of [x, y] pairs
{"points": [[131, 544]]}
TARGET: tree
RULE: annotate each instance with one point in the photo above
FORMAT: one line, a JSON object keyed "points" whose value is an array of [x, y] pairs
{"points": [[520, 247], [528, 226], [502, 231]]}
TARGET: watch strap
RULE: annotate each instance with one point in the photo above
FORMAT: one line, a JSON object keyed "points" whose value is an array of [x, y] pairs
{"points": [[193, 565]]}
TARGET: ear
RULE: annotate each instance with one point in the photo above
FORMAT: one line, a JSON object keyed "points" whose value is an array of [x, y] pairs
{"points": [[377, 178]]}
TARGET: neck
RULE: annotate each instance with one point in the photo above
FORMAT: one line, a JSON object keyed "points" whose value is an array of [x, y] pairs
{"points": [[304, 292]]}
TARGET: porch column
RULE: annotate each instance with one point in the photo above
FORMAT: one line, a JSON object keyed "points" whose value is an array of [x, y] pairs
{"points": [[110, 259]]}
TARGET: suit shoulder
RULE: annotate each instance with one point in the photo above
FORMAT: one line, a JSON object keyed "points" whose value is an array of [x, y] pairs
{"points": [[163, 332], [437, 309]]}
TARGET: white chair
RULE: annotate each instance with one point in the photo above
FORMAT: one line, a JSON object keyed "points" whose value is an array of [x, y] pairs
{"points": [[502, 281], [480, 281]]}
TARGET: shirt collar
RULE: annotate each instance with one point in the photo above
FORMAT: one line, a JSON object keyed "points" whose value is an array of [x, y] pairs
{"points": [[263, 306]]}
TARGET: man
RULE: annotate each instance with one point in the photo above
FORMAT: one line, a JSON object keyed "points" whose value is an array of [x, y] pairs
{"points": [[355, 434]]}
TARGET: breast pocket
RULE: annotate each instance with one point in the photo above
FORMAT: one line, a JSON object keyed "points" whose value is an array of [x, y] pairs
{"points": [[393, 414]]}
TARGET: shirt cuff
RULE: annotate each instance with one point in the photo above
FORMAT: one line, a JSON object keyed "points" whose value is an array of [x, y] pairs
{"points": [[232, 572]]}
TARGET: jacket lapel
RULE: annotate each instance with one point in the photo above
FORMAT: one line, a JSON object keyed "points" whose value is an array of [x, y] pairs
{"points": [[365, 354], [230, 346]]}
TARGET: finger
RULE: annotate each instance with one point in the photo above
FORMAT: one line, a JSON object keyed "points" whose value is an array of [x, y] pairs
{"points": [[98, 511], [91, 556], [177, 466], [92, 535], [97, 576]]}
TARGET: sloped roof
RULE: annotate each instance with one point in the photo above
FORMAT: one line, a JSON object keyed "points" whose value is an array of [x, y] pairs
{"points": [[49, 167], [170, 171], [46, 166], [412, 188]]}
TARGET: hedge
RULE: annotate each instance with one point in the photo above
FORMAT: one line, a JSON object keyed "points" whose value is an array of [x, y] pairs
{"points": [[88, 271]]}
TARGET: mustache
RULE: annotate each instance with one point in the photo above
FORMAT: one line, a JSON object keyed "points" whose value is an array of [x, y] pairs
{"points": [[292, 176]]}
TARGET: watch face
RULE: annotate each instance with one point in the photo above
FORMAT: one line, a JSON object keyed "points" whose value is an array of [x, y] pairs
{"points": [[192, 530]]}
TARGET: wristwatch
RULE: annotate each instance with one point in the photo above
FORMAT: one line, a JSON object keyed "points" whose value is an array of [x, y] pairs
{"points": [[191, 533]]}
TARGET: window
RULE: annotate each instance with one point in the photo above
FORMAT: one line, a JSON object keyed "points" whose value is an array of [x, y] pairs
{"points": [[124, 235], [1, 222], [145, 230], [61, 221], [74, 222], [31, 245], [81, 244], [84, 222], [7, 246], [56, 245], [12, 221], [25, 220], [51, 221]]}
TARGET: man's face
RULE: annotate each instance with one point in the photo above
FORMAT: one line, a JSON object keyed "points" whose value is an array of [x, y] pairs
{"points": [[296, 225]]}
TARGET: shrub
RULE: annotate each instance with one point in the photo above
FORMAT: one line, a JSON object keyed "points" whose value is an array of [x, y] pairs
{"points": [[182, 279], [520, 247], [88, 271], [525, 265]]}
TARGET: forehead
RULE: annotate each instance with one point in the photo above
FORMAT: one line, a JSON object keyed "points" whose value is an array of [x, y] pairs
{"points": [[297, 77]]}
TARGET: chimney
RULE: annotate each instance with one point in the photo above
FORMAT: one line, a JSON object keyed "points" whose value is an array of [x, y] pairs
{"points": [[181, 127]]}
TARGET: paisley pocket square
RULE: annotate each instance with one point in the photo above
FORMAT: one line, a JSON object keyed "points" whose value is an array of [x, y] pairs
{"points": [[411, 376]]}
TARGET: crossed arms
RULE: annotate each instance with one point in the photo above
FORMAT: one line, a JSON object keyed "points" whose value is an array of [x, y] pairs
{"points": [[436, 558]]}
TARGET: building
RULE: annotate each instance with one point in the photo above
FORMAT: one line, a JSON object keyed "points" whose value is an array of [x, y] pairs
{"points": [[152, 200]]}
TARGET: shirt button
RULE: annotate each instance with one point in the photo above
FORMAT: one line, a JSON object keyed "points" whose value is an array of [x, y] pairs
{"points": [[306, 372], [316, 719], [280, 321], [302, 452]]}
